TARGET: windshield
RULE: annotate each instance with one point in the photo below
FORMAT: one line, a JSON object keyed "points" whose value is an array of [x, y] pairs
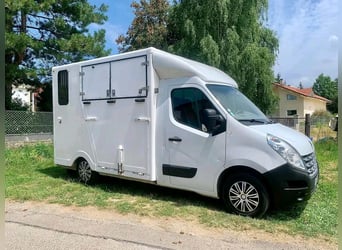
{"points": [[237, 105]]}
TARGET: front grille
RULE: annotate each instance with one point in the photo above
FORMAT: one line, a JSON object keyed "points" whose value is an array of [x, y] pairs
{"points": [[310, 163]]}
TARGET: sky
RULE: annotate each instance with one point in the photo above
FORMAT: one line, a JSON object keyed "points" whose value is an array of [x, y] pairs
{"points": [[307, 31]]}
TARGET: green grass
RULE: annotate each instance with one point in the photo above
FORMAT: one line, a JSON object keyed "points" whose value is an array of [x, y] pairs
{"points": [[31, 175]]}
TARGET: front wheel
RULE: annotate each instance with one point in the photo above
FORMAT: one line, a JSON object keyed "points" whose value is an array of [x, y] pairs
{"points": [[244, 194]]}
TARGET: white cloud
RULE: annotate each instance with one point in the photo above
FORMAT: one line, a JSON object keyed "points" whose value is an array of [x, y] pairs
{"points": [[307, 40], [333, 39]]}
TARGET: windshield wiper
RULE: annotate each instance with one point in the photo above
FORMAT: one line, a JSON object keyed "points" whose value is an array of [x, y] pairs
{"points": [[254, 121]]}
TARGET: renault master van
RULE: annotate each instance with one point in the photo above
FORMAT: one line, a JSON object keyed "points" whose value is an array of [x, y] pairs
{"points": [[159, 118]]}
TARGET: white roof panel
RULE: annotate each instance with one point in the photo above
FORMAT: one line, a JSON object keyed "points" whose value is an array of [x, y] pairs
{"points": [[168, 66], [172, 66]]}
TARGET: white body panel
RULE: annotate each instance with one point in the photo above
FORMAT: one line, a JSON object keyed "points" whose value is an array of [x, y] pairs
{"points": [[108, 117], [119, 110]]}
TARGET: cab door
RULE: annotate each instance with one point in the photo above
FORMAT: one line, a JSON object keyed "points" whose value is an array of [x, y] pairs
{"points": [[194, 155]]}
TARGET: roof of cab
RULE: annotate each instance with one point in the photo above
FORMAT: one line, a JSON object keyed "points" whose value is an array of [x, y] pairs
{"points": [[172, 66]]}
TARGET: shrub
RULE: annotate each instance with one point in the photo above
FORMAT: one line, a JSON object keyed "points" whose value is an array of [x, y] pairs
{"points": [[321, 117]]}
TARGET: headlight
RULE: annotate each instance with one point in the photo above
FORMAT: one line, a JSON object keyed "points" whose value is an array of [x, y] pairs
{"points": [[286, 151]]}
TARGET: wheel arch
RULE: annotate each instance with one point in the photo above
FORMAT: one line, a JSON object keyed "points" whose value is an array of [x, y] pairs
{"points": [[81, 155], [238, 170]]}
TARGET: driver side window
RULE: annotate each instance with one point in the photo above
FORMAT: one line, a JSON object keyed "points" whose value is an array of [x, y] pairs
{"points": [[187, 107]]}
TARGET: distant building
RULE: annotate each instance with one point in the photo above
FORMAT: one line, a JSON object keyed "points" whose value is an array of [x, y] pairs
{"points": [[23, 93], [296, 101], [27, 95]]}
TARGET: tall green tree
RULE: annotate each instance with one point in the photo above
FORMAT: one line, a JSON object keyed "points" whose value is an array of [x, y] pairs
{"points": [[149, 27], [325, 87], [41, 34], [227, 34], [230, 35]]}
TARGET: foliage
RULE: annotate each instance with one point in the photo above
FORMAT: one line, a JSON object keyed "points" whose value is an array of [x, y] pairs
{"points": [[278, 78], [325, 87], [148, 28], [231, 36], [45, 98], [42, 34], [227, 34], [319, 125], [321, 115], [17, 104], [31, 175]]}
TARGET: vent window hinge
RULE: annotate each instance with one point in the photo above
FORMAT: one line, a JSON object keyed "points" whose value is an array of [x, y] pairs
{"points": [[146, 63]]}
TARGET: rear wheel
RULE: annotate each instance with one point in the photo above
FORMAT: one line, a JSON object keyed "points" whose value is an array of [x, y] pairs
{"points": [[85, 174], [244, 194]]}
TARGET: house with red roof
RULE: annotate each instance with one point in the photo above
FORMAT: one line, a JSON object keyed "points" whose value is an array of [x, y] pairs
{"points": [[296, 102]]}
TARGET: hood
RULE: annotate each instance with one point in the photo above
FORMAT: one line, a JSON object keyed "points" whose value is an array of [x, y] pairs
{"points": [[299, 141]]}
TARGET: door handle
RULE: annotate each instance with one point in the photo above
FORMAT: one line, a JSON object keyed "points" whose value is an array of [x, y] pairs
{"points": [[142, 119], [176, 139], [91, 118]]}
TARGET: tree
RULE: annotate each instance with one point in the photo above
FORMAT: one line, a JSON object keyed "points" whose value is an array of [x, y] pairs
{"points": [[327, 88], [231, 36], [41, 34], [278, 78], [45, 98], [149, 27], [227, 34]]}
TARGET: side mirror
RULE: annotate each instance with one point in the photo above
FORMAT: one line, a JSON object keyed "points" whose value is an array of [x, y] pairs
{"points": [[213, 121]]}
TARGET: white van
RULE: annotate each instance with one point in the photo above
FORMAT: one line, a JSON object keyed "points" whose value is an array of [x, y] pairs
{"points": [[155, 117]]}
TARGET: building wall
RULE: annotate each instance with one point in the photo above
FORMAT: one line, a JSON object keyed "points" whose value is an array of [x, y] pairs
{"points": [[311, 105], [286, 105], [301, 104], [275, 112], [22, 93]]}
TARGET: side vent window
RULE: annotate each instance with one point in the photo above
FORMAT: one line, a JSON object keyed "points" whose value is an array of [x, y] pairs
{"points": [[63, 87]]}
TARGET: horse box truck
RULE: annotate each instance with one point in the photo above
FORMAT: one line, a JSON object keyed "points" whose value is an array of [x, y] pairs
{"points": [[159, 118]]}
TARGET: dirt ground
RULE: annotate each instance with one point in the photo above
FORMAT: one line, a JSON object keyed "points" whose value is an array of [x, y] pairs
{"points": [[139, 231]]}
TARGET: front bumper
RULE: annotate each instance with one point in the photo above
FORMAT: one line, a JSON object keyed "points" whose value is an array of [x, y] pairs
{"points": [[288, 185]]}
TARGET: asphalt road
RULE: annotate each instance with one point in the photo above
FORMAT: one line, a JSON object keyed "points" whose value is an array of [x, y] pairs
{"points": [[44, 226]]}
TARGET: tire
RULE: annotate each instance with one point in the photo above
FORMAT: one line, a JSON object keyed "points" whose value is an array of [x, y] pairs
{"points": [[84, 172], [244, 194]]}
